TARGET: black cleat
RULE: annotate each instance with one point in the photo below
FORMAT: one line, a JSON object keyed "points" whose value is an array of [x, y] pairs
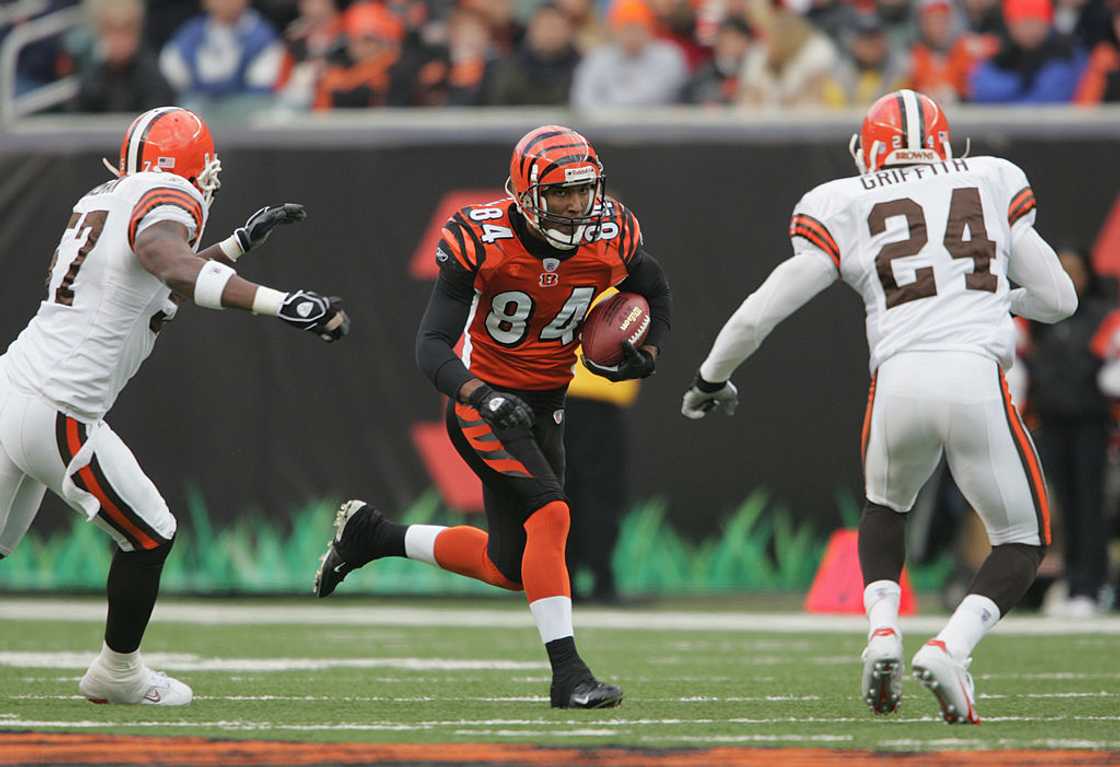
{"points": [[585, 692], [333, 566]]}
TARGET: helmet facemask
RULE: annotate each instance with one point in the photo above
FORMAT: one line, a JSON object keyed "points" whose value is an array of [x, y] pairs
{"points": [[534, 207], [207, 180]]}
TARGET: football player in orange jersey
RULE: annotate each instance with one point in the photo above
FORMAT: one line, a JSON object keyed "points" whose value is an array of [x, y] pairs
{"points": [[517, 276]]}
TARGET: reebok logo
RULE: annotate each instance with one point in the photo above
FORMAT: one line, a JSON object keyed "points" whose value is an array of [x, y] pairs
{"points": [[152, 696], [304, 310]]}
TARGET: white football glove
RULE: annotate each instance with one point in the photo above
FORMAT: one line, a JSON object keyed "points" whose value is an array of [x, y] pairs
{"points": [[704, 397]]}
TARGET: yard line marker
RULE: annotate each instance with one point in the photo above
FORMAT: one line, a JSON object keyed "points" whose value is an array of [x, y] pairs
{"points": [[191, 662], [207, 613]]}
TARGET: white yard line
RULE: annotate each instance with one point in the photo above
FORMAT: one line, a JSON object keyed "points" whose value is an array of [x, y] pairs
{"points": [[190, 662], [207, 613], [8, 721]]}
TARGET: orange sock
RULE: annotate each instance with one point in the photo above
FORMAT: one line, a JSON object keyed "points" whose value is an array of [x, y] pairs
{"points": [[462, 550], [544, 572]]}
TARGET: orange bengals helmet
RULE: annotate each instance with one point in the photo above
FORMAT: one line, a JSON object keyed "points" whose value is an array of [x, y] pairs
{"points": [[172, 140], [549, 156], [901, 128]]}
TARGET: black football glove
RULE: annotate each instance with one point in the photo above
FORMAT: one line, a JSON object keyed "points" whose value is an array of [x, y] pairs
{"points": [[317, 314], [636, 363], [703, 397], [261, 224], [501, 409]]}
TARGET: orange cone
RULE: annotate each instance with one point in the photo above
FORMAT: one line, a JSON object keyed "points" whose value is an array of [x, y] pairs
{"points": [[838, 584]]}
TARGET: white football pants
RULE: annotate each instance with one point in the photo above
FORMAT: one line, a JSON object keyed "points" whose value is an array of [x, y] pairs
{"points": [[86, 464], [923, 403]]}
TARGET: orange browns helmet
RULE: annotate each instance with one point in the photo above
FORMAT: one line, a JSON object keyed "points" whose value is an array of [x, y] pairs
{"points": [[901, 127], [553, 155], [172, 140]]}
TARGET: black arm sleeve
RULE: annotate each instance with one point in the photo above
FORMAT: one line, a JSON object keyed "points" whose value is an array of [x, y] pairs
{"points": [[648, 279], [443, 323]]}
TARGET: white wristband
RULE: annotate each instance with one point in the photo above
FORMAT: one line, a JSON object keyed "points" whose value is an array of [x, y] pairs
{"points": [[268, 301], [231, 247], [210, 283]]}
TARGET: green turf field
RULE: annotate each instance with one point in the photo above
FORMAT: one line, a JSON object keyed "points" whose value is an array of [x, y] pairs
{"points": [[393, 671]]}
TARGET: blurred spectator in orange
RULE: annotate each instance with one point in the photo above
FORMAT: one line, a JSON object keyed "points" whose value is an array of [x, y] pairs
{"points": [[229, 52], [717, 82], [676, 24], [470, 49], [869, 69], [1035, 64], [1101, 81], [589, 31], [365, 79], [939, 64], [314, 41], [791, 65], [636, 69], [541, 72], [505, 31], [124, 75]]}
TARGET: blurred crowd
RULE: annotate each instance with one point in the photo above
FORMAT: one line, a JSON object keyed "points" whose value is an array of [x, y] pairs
{"points": [[330, 54]]}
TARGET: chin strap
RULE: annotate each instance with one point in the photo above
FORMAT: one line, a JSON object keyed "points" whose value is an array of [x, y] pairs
{"points": [[110, 167]]}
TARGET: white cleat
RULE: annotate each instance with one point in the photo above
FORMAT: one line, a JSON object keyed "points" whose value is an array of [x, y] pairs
{"points": [[949, 681], [147, 687], [881, 684]]}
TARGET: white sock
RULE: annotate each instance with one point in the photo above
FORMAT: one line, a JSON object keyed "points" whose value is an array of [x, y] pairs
{"points": [[420, 542], [119, 664], [880, 602], [974, 617], [553, 616]]}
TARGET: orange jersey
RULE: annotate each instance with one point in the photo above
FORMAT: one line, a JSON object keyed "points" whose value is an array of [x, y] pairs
{"points": [[523, 327]]}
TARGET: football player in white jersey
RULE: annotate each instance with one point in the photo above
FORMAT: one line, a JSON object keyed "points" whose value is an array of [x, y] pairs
{"points": [[933, 244], [125, 261]]}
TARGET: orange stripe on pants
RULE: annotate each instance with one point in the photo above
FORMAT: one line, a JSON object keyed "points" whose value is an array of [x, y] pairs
{"points": [[1030, 460], [137, 536], [865, 432]]}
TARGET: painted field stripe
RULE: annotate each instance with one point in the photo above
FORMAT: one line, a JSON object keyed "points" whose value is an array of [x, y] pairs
{"points": [[208, 613], [9, 721], [188, 662]]}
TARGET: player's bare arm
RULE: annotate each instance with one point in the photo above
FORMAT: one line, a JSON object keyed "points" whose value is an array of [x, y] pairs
{"points": [[163, 251]]}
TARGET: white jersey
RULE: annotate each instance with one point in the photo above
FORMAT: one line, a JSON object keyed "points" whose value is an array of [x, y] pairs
{"points": [[103, 310], [927, 248]]}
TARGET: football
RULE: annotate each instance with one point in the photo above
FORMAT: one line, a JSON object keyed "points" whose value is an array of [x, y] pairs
{"points": [[622, 317]]}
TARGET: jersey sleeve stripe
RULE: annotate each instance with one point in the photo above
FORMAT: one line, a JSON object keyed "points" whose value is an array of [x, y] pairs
{"points": [[479, 250], [158, 198], [190, 202], [623, 238], [813, 237], [454, 230], [635, 233], [1021, 204], [802, 224]]}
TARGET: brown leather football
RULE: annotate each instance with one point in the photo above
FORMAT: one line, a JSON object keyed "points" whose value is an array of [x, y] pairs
{"points": [[622, 317]]}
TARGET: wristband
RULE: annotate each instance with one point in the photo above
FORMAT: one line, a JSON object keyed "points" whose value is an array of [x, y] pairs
{"points": [[210, 283], [708, 387], [231, 247], [268, 301]]}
